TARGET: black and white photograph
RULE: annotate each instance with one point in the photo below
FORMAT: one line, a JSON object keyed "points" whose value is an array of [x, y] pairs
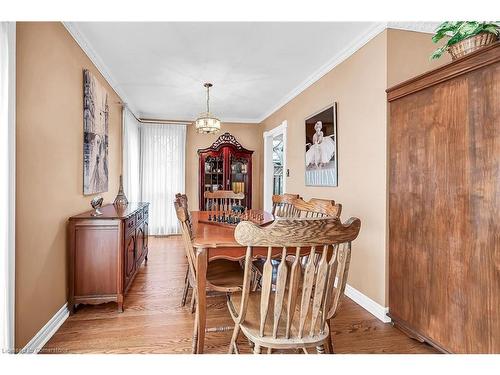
{"points": [[321, 148]]}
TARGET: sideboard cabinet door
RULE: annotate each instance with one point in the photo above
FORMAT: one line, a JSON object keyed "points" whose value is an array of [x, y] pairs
{"points": [[140, 244], [130, 245]]}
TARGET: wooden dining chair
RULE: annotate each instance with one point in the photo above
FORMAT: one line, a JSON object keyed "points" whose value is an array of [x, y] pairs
{"points": [[183, 201], [296, 313], [222, 200], [222, 275], [316, 207], [292, 205], [283, 205]]}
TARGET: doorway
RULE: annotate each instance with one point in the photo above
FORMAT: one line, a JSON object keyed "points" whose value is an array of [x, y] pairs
{"points": [[278, 165], [275, 170]]}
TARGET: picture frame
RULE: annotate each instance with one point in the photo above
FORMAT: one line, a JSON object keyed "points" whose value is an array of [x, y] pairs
{"points": [[321, 155], [95, 135]]}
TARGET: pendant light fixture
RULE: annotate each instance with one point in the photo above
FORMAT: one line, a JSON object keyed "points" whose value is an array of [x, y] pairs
{"points": [[206, 123]]}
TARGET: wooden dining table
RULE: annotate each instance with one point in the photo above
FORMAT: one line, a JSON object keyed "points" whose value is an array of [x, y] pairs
{"points": [[215, 241]]}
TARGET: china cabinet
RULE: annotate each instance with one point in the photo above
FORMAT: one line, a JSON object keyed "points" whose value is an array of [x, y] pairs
{"points": [[225, 165]]}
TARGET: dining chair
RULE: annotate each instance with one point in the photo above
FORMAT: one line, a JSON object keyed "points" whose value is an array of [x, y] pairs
{"points": [[296, 313], [222, 200], [292, 205], [182, 198], [283, 205], [222, 275], [316, 207], [183, 201]]}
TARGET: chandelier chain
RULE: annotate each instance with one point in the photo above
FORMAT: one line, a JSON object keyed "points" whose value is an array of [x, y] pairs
{"points": [[208, 99]]}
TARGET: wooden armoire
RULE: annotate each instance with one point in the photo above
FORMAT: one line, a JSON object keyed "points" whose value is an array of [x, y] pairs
{"points": [[444, 205]]}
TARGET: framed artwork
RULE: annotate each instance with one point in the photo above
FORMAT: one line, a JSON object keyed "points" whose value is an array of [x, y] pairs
{"points": [[95, 135], [321, 148]]}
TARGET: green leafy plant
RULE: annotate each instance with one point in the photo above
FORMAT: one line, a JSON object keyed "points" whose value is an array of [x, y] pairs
{"points": [[460, 30]]}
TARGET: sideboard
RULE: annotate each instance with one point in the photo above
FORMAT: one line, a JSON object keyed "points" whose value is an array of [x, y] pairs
{"points": [[105, 253]]}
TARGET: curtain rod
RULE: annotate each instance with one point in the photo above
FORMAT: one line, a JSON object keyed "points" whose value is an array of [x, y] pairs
{"points": [[170, 122], [155, 121]]}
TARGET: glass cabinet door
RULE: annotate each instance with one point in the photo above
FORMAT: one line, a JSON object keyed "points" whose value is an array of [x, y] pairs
{"points": [[239, 175], [214, 173]]}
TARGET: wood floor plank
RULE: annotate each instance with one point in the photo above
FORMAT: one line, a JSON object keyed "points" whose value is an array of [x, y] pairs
{"points": [[154, 322]]}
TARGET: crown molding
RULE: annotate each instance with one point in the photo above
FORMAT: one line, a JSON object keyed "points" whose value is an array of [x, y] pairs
{"points": [[85, 45], [162, 117], [421, 27], [348, 51], [343, 55]]}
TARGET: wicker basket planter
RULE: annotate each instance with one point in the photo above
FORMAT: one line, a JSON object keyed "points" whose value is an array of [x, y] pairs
{"points": [[471, 44]]}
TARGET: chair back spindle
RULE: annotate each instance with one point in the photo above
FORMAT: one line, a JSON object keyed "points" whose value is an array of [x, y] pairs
{"points": [[222, 200], [317, 208], [283, 205]]}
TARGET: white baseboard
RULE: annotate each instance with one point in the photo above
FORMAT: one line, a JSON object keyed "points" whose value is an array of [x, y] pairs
{"points": [[40, 339], [367, 303]]}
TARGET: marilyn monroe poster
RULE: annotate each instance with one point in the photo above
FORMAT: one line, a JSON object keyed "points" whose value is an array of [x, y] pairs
{"points": [[321, 148]]}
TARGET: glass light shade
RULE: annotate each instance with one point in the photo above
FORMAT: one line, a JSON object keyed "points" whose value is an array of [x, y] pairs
{"points": [[207, 124]]}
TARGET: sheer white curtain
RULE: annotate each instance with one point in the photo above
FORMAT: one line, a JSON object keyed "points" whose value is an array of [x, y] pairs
{"points": [[163, 173], [131, 157], [7, 182]]}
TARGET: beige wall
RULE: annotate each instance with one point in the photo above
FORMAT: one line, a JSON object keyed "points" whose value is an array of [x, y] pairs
{"points": [[358, 86], [408, 55], [250, 137], [49, 173]]}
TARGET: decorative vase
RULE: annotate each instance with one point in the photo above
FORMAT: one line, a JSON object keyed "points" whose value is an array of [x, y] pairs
{"points": [[471, 44], [121, 200]]}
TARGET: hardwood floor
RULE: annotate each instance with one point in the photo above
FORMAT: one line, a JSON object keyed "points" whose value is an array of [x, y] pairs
{"points": [[154, 322]]}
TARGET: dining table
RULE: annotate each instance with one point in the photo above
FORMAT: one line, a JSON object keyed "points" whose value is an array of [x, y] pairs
{"points": [[214, 240]]}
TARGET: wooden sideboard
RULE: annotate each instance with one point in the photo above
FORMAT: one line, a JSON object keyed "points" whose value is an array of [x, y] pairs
{"points": [[105, 253], [444, 201]]}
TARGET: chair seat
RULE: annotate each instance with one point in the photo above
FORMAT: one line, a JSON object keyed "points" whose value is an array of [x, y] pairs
{"points": [[251, 324], [224, 275]]}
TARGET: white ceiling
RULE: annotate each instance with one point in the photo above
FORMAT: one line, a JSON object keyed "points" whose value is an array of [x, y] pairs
{"points": [[159, 68]]}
